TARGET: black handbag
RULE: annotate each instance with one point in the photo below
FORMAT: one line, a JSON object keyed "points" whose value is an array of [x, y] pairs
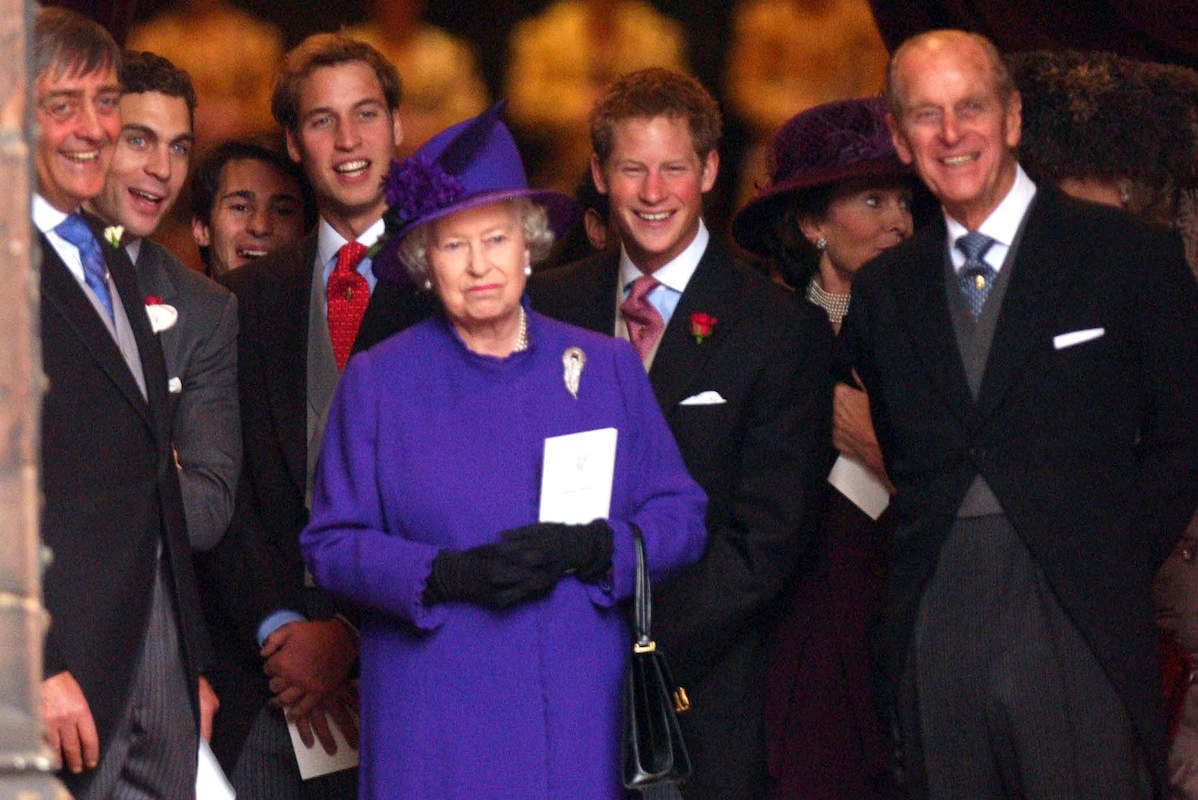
{"points": [[653, 758]]}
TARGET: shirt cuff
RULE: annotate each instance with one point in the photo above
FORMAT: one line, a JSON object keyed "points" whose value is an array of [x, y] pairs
{"points": [[276, 620]]}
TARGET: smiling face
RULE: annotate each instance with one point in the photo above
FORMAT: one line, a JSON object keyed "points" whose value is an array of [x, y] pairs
{"points": [[655, 182], [954, 126], [257, 209], [863, 218], [149, 163], [345, 139], [476, 261], [77, 118]]}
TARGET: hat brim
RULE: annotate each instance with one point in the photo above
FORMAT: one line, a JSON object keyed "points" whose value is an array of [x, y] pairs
{"points": [[560, 208], [751, 223]]}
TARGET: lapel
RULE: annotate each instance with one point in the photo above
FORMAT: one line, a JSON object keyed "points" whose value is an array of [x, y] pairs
{"points": [[716, 289], [152, 275], [590, 299], [283, 333], [922, 304], [61, 291], [1044, 269]]}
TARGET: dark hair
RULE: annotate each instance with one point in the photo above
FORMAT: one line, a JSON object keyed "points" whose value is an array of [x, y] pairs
{"points": [[656, 92], [150, 72], [66, 42], [205, 179], [326, 50], [784, 245], [1004, 86], [1101, 116]]}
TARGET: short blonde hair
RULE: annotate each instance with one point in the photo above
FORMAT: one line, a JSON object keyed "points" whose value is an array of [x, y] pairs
{"points": [[534, 224]]}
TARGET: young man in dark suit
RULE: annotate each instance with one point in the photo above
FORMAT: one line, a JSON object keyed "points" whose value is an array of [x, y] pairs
{"points": [[741, 374], [303, 310], [126, 642], [197, 319], [1031, 366]]}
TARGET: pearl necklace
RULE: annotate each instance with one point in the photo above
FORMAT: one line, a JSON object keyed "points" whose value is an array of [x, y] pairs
{"points": [[522, 336]]}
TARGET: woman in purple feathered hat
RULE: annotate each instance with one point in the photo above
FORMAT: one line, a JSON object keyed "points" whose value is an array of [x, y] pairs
{"points": [[488, 568], [837, 196]]}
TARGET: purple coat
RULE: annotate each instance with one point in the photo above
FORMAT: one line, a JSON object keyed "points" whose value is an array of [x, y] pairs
{"points": [[430, 446]]}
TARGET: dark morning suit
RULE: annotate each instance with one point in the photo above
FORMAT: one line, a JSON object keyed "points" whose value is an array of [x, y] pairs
{"points": [[759, 456], [258, 568], [201, 362], [112, 504], [1089, 449]]}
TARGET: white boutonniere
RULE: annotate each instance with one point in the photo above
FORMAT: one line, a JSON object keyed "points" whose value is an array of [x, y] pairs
{"points": [[162, 315], [113, 234]]}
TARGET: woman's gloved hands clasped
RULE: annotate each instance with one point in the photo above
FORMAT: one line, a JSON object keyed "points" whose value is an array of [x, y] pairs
{"points": [[523, 565]]}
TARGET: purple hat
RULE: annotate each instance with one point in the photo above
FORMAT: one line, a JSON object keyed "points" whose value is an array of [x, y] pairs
{"points": [[469, 164], [818, 147]]}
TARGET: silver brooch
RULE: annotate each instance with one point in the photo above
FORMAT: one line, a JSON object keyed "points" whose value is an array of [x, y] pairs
{"points": [[572, 362]]}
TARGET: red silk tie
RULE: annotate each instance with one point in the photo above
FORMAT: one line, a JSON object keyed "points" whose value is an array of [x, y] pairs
{"points": [[347, 293], [643, 320]]}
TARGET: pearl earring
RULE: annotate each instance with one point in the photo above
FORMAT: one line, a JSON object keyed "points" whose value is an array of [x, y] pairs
{"points": [[821, 244], [428, 284], [527, 270]]}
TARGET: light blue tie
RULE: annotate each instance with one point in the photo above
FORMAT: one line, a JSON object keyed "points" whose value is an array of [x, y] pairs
{"points": [[976, 277], [95, 272]]}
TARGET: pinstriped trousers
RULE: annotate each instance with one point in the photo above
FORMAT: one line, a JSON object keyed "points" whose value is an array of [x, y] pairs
{"points": [[1004, 698], [152, 754], [267, 769]]}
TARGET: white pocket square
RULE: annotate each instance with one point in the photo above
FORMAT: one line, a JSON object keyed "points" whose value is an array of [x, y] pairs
{"points": [[709, 398], [174, 386], [1063, 340]]}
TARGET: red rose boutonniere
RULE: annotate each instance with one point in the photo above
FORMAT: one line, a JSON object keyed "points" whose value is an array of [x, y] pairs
{"points": [[162, 316], [701, 325]]}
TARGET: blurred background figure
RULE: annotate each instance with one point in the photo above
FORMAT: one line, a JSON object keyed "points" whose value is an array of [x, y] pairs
{"points": [[230, 55], [592, 233], [788, 55], [562, 59], [837, 196], [246, 202], [441, 80]]}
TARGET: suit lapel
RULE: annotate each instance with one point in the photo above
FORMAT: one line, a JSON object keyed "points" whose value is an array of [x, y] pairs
{"points": [[1042, 275], [286, 296], [152, 278], [714, 289], [920, 295], [62, 292]]}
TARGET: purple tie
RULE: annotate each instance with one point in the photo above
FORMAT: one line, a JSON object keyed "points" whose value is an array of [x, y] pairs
{"points": [[644, 322]]}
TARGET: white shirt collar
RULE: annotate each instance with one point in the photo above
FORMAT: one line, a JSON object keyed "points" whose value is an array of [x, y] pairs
{"points": [[45, 216], [1003, 222], [328, 241], [674, 274], [133, 248]]}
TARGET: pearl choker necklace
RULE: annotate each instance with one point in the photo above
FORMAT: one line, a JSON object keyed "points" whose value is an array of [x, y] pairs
{"points": [[837, 305]]}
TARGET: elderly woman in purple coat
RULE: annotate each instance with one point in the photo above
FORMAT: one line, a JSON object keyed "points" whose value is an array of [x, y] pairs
{"points": [[493, 643]]}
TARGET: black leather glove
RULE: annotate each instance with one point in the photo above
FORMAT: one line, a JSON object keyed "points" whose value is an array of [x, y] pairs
{"points": [[558, 549], [485, 575]]}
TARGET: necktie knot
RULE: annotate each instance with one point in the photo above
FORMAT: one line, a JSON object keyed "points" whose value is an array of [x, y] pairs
{"points": [[75, 230], [347, 294], [644, 322], [976, 276], [974, 245]]}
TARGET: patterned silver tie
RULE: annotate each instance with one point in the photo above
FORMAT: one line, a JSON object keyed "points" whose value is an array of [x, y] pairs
{"points": [[976, 277]]}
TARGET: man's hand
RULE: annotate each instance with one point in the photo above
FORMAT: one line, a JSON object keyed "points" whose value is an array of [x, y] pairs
{"points": [[208, 706], [306, 661], [853, 430], [70, 728], [340, 706]]}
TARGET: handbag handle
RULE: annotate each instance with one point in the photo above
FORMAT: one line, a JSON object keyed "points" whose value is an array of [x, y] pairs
{"points": [[643, 601]]}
